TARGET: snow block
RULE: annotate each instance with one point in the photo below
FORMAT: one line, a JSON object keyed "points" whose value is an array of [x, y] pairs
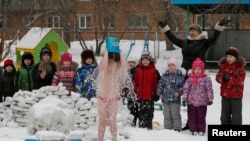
{"points": [[112, 44]]}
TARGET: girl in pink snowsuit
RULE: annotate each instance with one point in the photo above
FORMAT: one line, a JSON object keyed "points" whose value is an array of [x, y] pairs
{"points": [[109, 83]]}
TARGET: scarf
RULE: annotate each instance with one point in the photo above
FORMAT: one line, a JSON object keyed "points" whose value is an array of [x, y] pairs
{"points": [[195, 77], [45, 66]]}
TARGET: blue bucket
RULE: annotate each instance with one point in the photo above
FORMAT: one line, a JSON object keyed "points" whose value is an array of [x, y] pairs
{"points": [[112, 44]]}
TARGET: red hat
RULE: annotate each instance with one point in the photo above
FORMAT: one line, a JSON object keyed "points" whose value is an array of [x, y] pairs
{"points": [[8, 62], [66, 57]]}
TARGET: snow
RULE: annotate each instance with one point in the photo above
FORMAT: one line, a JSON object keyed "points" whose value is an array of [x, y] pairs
{"points": [[33, 37], [136, 134]]}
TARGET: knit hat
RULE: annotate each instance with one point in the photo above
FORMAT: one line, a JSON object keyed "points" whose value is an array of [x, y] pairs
{"points": [[45, 50], [146, 55], [233, 51], [198, 63], [174, 61], [66, 57], [87, 54], [8, 62], [196, 27], [27, 55], [132, 59]]}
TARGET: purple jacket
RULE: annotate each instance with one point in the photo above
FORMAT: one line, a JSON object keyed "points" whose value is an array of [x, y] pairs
{"points": [[199, 94]]}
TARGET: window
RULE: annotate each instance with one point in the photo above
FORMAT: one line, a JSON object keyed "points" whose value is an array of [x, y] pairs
{"points": [[203, 22], [138, 21], [110, 20], [54, 22], [27, 21], [84, 21]]}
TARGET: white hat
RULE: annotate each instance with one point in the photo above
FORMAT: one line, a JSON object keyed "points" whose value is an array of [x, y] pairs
{"points": [[132, 59]]}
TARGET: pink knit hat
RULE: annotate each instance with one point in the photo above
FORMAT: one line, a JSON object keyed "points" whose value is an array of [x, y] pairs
{"points": [[66, 56], [198, 63], [174, 61]]}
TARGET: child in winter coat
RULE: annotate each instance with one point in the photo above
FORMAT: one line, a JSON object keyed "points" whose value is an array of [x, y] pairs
{"points": [[24, 75], [66, 72], [170, 90], [44, 71], [132, 101], [84, 83], [231, 76], [7, 80], [198, 94], [145, 86], [112, 70]]}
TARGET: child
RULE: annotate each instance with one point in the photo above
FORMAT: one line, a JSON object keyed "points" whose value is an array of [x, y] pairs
{"points": [[84, 84], [7, 80], [145, 85], [197, 93], [111, 70], [44, 71], [231, 76], [24, 75], [132, 102], [66, 72], [170, 90]]}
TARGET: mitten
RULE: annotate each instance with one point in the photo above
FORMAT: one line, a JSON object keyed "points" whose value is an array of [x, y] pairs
{"points": [[224, 21], [162, 24], [184, 103], [210, 103], [226, 77], [130, 104], [125, 92]]}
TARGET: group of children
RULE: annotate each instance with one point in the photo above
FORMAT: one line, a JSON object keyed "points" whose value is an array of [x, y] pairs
{"points": [[33, 76], [148, 86], [196, 91]]}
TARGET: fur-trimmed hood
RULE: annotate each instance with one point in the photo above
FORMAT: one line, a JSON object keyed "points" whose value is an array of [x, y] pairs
{"points": [[74, 65], [241, 60]]}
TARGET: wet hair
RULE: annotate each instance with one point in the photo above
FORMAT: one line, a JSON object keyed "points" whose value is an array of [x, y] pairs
{"points": [[114, 55]]}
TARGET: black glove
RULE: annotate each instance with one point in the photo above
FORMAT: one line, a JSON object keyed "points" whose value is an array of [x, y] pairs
{"points": [[224, 21], [226, 77], [210, 103], [162, 23], [156, 98]]}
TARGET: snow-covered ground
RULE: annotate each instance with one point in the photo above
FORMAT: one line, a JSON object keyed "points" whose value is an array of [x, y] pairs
{"points": [[158, 133]]}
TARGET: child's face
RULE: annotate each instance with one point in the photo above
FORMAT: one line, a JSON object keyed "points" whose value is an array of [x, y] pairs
{"points": [[198, 70], [66, 63], [231, 59], [46, 57], [9, 68], [145, 62], [27, 62], [131, 64], [171, 67], [89, 61]]}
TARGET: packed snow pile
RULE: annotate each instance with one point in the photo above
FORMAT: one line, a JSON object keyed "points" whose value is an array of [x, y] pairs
{"points": [[51, 114]]}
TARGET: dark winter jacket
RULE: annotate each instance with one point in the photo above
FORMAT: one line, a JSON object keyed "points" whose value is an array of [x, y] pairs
{"points": [[235, 86], [66, 76], [193, 48], [145, 81], [39, 82], [170, 83], [7, 83]]}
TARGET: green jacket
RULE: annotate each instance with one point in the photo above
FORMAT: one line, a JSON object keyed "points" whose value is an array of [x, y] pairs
{"points": [[25, 80]]}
